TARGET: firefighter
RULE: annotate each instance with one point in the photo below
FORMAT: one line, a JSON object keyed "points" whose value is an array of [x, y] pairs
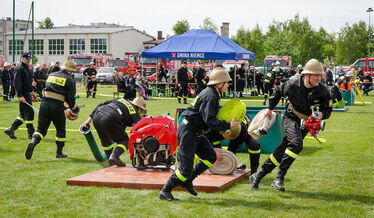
{"points": [[252, 145], [23, 85], [182, 79], [91, 87], [201, 115], [241, 81], [89, 71], [12, 92], [342, 83], [303, 92], [200, 78], [259, 82], [269, 83], [40, 76], [110, 119], [6, 79], [367, 81], [59, 88]]}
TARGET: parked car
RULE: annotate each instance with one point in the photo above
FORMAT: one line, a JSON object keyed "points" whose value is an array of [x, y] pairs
{"points": [[106, 74]]}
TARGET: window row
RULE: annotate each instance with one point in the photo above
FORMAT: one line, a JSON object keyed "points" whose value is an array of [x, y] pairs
{"points": [[57, 46]]}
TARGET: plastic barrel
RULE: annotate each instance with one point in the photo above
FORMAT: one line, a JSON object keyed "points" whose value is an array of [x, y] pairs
{"points": [[92, 143], [348, 96]]}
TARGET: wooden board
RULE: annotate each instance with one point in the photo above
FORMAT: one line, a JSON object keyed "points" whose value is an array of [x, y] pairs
{"points": [[129, 177]]}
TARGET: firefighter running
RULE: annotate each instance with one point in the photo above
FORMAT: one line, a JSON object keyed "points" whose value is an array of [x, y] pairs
{"points": [[110, 119], [182, 79], [303, 92], [59, 88], [23, 84], [201, 115]]}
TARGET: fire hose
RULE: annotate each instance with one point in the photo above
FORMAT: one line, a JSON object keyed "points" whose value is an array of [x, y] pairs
{"points": [[92, 143]]}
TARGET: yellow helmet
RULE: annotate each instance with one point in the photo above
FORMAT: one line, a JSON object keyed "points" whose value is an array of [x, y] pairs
{"points": [[218, 75], [69, 65], [139, 102], [313, 67]]}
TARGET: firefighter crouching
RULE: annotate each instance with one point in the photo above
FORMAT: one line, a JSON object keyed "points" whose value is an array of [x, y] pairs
{"points": [[110, 119], [59, 88], [303, 92], [23, 85], [201, 115]]}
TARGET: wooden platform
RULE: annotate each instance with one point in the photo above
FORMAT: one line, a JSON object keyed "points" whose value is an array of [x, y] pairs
{"points": [[129, 177]]}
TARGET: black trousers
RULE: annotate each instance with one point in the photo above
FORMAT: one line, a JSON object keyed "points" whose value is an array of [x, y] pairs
{"points": [[6, 87], [291, 146], [109, 128], [12, 91], [335, 94], [260, 87], [189, 145], [52, 110], [200, 87], [26, 115], [269, 89], [183, 90]]}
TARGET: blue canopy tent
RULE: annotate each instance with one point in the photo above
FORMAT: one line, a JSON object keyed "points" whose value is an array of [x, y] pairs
{"points": [[199, 44]]}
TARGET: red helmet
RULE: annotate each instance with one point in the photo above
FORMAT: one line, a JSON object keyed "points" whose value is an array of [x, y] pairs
{"points": [[44, 64], [30, 65], [70, 115]]}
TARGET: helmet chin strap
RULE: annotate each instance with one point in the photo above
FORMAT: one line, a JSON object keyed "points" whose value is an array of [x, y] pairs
{"points": [[220, 88]]}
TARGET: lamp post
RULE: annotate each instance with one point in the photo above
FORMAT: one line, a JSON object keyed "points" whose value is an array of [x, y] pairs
{"points": [[369, 10]]}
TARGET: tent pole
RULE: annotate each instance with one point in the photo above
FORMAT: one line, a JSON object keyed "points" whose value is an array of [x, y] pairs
{"points": [[254, 74], [234, 82]]}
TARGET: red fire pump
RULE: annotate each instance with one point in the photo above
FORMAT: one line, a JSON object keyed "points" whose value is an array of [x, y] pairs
{"points": [[153, 142], [314, 123]]}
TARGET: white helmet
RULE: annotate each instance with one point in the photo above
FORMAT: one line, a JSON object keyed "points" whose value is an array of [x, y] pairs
{"points": [[38, 66], [299, 66], [277, 63], [52, 63], [276, 69], [92, 63], [6, 64], [349, 74]]}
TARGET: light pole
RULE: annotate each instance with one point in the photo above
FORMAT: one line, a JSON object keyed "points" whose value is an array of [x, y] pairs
{"points": [[369, 10]]}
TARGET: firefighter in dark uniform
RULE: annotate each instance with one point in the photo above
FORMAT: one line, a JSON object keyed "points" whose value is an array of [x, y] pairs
{"points": [[89, 71], [200, 78], [279, 77], [59, 88], [259, 82], [110, 119], [23, 85], [91, 87], [201, 115], [5, 80], [40, 76], [303, 92], [342, 83], [269, 83], [241, 82], [252, 145], [182, 79]]}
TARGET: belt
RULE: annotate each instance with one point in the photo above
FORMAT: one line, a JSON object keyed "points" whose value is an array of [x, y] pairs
{"points": [[53, 95], [301, 116], [198, 132]]}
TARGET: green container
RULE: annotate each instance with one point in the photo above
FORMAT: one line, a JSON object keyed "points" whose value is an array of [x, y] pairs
{"points": [[348, 97], [269, 142]]}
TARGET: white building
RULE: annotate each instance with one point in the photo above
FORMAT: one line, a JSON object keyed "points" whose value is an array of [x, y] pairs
{"points": [[53, 45]]}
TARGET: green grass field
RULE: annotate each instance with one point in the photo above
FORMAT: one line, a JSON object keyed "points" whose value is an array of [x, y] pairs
{"points": [[333, 179]]}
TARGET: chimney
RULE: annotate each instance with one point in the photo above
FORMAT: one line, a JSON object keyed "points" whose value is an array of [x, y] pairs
{"points": [[225, 29], [159, 34]]}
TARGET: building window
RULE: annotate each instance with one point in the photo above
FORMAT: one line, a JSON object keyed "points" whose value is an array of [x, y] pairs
{"points": [[18, 49], [56, 46], [98, 46], [22, 26], [38, 46], [77, 46]]}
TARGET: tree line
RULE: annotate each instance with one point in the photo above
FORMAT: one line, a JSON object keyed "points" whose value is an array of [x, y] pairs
{"points": [[297, 38]]}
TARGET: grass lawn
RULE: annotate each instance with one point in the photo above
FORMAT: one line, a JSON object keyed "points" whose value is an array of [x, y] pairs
{"points": [[333, 179]]}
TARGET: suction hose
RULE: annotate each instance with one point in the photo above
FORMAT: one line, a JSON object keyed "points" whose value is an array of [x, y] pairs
{"points": [[92, 143]]}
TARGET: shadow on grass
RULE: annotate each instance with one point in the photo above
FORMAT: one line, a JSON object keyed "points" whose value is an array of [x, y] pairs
{"points": [[333, 197], [73, 160], [309, 150], [2, 150], [231, 202]]}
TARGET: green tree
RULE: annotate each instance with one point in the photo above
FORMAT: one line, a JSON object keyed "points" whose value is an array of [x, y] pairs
{"points": [[34, 59], [181, 27], [352, 43], [208, 24], [46, 24]]}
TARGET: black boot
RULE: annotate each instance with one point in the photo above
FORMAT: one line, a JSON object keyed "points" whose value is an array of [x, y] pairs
{"points": [[188, 185], [256, 178], [165, 193], [108, 153], [254, 159], [114, 157], [30, 130], [10, 133], [278, 181], [179, 101], [30, 148], [93, 95], [60, 146], [185, 101]]}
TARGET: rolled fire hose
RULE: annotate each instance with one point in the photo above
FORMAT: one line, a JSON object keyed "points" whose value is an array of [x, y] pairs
{"points": [[92, 143], [233, 108], [227, 165]]}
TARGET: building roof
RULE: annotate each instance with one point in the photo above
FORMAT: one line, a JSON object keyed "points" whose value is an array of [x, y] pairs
{"points": [[74, 31]]}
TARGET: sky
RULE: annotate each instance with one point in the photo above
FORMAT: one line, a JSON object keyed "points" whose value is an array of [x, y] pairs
{"points": [[152, 16]]}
